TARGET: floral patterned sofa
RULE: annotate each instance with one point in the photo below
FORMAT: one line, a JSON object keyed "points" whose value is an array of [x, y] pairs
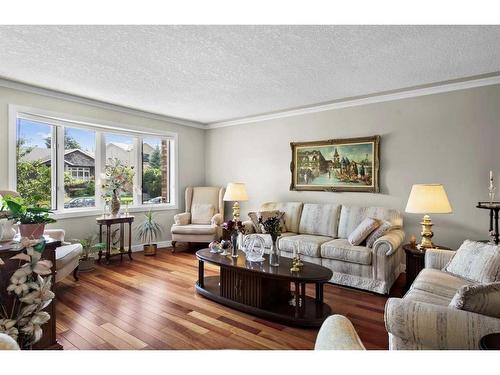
{"points": [[320, 231]]}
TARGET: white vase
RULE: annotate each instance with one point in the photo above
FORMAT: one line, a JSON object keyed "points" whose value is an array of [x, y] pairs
{"points": [[7, 230]]}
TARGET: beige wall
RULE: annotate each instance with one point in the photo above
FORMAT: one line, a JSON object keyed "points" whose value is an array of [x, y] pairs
{"points": [[191, 150], [451, 138]]}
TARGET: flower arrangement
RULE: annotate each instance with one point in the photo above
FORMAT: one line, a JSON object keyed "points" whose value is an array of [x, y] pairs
{"points": [[233, 227], [117, 178], [272, 225], [32, 290]]}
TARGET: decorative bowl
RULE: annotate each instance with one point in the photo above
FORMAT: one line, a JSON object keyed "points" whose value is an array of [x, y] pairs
{"points": [[254, 247]]}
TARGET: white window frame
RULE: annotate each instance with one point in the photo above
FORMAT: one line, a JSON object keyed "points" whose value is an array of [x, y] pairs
{"points": [[100, 127]]}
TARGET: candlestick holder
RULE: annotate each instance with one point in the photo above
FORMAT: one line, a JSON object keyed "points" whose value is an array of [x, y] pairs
{"points": [[491, 192]]}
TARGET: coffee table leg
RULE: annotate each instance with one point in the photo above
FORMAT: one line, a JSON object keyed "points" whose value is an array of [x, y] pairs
{"points": [[303, 294], [201, 273], [297, 298], [319, 292]]}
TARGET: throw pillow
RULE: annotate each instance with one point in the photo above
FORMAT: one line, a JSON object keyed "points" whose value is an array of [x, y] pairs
{"points": [[362, 231], [479, 298], [384, 227], [254, 217], [476, 261], [201, 213]]}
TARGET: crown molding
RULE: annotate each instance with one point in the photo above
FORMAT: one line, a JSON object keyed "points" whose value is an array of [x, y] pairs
{"points": [[412, 92], [21, 86]]}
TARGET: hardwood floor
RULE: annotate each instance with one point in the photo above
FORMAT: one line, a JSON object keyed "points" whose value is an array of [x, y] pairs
{"points": [[151, 303]]}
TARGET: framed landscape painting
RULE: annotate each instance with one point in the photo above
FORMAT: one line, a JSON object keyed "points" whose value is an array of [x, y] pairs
{"points": [[336, 165]]}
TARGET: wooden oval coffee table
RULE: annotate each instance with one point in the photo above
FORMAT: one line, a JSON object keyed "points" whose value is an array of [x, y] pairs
{"points": [[265, 291]]}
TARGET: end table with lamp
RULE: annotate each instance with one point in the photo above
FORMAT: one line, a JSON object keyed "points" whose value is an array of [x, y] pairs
{"points": [[427, 199], [424, 199], [415, 261]]}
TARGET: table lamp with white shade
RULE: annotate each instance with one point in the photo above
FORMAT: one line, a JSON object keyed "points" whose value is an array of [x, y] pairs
{"points": [[236, 192], [428, 199]]}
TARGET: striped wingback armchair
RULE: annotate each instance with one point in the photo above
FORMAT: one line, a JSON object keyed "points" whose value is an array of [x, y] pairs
{"points": [[203, 217]]}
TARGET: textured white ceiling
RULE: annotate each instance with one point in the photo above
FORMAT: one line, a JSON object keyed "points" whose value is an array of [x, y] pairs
{"points": [[215, 73]]}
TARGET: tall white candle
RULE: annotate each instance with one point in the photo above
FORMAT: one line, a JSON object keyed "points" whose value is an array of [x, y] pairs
{"points": [[491, 175]]}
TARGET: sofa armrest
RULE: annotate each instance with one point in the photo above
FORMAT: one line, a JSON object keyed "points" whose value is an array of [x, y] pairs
{"points": [[438, 258], [248, 227], [338, 333], [217, 219], [390, 242], [435, 326], [183, 218]]}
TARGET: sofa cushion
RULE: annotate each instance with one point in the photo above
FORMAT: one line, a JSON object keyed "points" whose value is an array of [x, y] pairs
{"points": [[268, 240], [292, 211], [480, 298], [351, 216], [476, 261], [321, 219], [417, 295], [306, 244], [362, 231], [202, 213], [254, 217], [438, 282], [341, 249], [67, 253], [194, 229]]}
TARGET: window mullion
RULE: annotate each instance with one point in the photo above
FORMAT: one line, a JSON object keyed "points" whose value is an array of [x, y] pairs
{"points": [[100, 167], [58, 169], [137, 189]]}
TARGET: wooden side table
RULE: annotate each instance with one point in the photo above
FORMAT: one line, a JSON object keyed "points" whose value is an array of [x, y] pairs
{"points": [[415, 261], [108, 221]]}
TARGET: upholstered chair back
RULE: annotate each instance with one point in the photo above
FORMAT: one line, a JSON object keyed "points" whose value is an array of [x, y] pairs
{"points": [[292, 211], [352, 216], [203, 202]]}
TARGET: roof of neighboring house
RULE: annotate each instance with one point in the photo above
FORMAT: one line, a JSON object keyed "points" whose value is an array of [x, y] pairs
{"points": [[43, 154]]}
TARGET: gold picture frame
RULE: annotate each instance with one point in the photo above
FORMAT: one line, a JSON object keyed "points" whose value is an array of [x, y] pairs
{"points": [[337, 165]]}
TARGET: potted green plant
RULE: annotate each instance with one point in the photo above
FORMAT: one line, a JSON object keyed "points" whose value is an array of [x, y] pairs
{"points": [[31, 219], [90, 249], [148, 231]]}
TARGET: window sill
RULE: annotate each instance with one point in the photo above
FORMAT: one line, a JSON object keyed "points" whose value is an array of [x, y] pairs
{"points": [[83, 212]]}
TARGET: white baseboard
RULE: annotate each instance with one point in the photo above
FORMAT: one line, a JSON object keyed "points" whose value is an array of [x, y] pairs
{"points": [[136, 248]]}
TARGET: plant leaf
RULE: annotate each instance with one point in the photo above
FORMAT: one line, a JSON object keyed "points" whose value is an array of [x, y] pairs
{"points": [[22, 256]]}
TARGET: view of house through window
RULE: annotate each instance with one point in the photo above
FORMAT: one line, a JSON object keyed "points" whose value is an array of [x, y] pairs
{"points": [[146, 162], [79, 167], [34, 169]]}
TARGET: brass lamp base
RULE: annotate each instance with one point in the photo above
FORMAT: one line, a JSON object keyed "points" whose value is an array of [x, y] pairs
{"points": [[236, 212], [426, 233]]}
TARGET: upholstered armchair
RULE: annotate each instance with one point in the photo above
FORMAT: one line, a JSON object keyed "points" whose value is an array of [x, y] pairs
{"points": [[67, 255], [203, 217]]}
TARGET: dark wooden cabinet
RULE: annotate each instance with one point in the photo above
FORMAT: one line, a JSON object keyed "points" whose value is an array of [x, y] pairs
{"points": [[415, 262], [49, 339]]}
